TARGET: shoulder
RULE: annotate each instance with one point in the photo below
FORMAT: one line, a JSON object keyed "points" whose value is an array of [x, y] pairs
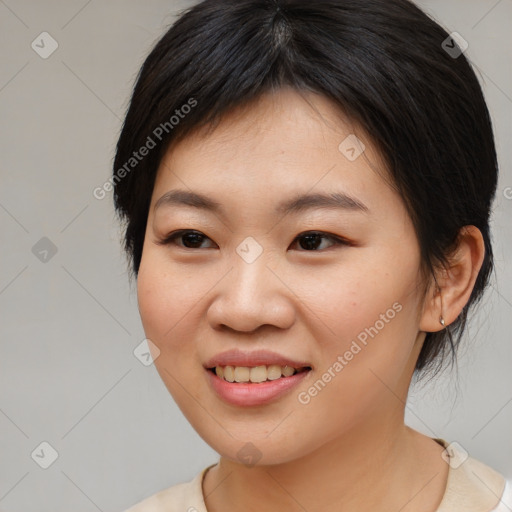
{"points": [[472, 486], [183, 497], [506, 499]]}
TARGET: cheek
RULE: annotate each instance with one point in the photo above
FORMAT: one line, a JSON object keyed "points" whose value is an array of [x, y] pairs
{"points": [[354, 294], [367, 351], [169, 305], [368, 314], [155, 302], [166, 298]]}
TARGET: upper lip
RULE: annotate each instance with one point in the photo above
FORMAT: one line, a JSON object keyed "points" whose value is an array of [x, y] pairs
{"points": [[236, 357]]}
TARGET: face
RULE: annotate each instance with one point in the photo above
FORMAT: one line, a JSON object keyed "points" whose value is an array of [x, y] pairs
{"points": [[328, 282]]}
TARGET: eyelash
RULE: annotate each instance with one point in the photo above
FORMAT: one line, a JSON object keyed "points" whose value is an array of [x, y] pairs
{"points": [[170, 239]]}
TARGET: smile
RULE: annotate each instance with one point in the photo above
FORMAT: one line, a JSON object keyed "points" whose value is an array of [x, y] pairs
{"points": [[273, 382], [255, 374]]}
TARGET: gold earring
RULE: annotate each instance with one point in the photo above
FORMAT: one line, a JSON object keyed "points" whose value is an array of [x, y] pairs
{"points": [[441, 321]]}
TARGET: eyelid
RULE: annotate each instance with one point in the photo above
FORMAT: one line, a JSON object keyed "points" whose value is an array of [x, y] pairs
{"points": [[168, 239], [338, 240]]}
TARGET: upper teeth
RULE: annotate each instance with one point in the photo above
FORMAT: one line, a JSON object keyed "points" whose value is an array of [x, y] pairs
{"points": [[254, 374]]}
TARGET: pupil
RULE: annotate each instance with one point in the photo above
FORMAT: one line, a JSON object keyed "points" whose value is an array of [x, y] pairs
{"points": [[186, 238], [311, 241]]}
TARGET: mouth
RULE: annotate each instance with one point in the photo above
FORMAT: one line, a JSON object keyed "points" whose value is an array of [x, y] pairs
{"points": [[256, 374]]}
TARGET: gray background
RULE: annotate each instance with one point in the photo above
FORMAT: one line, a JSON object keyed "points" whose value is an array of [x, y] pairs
{"points": [[70, 324]]}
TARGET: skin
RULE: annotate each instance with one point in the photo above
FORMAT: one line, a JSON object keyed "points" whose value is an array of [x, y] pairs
{"points": [[348, 448]]}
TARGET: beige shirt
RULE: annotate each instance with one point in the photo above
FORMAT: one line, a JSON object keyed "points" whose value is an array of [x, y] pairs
{"points": [[471, 487]]}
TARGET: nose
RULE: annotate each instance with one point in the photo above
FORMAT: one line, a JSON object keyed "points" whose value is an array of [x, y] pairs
{"points": [[252, 295]]}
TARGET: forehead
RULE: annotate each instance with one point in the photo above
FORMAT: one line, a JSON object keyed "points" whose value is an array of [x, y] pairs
{"points": [[282, 144]]}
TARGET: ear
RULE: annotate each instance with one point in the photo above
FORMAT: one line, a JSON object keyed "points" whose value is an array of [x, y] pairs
{"points": [[455, 282]]}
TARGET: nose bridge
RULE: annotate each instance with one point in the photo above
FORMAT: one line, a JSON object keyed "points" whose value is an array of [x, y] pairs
{"points": [[249, 288], [250, 280], [251, 295], [251, 275]]}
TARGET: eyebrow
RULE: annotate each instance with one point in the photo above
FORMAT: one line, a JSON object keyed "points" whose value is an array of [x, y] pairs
{"points": [[300, 203]]}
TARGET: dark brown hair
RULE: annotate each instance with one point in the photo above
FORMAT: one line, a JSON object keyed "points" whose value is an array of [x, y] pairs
{"points": [[385, 63]]}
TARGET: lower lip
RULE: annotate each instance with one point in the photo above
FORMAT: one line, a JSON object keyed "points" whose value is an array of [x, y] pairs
{"points": [[249, 394]]}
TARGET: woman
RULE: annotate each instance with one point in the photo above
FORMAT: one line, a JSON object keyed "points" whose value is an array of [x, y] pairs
{"points": [[306, 188]]}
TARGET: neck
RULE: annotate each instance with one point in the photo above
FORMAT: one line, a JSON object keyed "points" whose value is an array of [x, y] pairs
{"points": [[382, 464]]}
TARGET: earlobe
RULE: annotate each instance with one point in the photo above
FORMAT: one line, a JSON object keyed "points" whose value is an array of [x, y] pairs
{"points": [[452, 285], [433, 310]]}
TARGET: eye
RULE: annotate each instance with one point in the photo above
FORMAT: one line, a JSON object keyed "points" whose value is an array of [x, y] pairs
{"points": [[191, 239], [311, 240]]}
